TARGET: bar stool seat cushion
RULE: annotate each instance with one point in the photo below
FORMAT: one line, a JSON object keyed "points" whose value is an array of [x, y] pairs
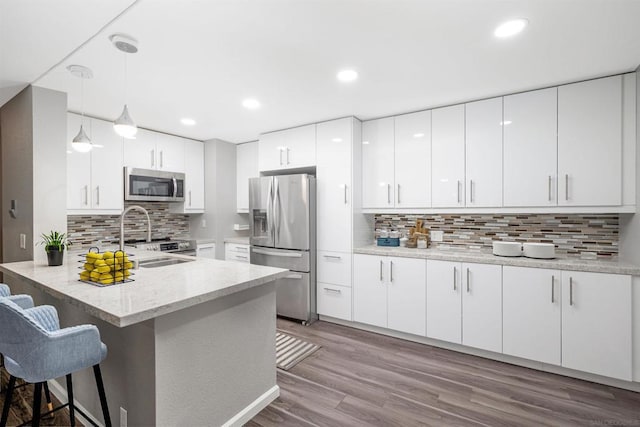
{"points": [[24, 301]]}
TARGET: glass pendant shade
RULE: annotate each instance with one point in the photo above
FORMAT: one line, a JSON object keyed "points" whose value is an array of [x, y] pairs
{"points": [[124, 125], [81, 142]]}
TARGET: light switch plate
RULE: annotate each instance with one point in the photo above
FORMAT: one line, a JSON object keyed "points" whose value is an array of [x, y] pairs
{"points": [[437, 236], [23, 241]]}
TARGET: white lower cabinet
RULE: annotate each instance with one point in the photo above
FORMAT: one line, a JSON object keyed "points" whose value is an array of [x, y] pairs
{"points": [[334, 284], [596, 323], [444, 301], [531, 313], [206, 250], [482, 306], [334, 301], [390, 292], [236, 252]]}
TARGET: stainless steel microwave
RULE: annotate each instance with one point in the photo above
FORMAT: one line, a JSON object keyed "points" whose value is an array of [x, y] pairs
{"points": [[153, 186]]}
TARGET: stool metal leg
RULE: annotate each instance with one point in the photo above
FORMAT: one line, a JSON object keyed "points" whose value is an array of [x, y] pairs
{"points": [[72, 415], [37, 401], [7, 401], [47, 396], [103, 397]]}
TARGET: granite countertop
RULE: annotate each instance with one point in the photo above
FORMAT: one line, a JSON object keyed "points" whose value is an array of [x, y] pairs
{"points": [[238, 240], [485, 256], [154, 291]]}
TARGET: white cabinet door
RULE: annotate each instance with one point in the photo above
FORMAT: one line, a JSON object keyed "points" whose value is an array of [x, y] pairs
{"points": [[334, 268], [206, 250], [271, 147], [444, 301], [447, 157], [530, 148], [246, 167], [483, 150], [107, 177], [334, 301], [333, 185], [590, 143], [370, 290], [413, 160], [596, 323], [194, 175], [300, 151], [378, 163], [78, 167], [482, 306], [141, 152], [169, 152], [531, 313], [406, 295]]}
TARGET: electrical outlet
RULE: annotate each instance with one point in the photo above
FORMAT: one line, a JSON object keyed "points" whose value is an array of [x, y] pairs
{"points": [[437, 236], [123, 417], [23, 241], [203, 223]]}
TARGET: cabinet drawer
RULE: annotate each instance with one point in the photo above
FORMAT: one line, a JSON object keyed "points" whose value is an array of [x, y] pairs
{"points": [[334, 268], [236, 247], [334, 301], [234, 256]]}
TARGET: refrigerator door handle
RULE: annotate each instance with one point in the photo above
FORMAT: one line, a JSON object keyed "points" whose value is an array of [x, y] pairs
{"points": [[270, 210], [280, 254], [277, 206]]}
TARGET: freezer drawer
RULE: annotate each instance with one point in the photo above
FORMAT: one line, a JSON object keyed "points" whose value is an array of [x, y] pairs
{"points": [[282, 258], [293, 296]]}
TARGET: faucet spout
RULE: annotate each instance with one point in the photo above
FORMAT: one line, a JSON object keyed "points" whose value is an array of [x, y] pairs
{"points": [[124, 213]]}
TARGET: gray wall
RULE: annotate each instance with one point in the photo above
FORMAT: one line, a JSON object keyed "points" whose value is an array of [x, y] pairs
{"points": [[33, 132]]}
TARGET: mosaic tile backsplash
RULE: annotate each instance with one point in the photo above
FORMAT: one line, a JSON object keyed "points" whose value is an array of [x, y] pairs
{"points": [[573, 235], [88, 230]]}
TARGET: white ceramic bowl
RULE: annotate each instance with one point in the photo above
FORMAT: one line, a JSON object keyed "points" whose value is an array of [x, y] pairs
{"points": [[507, 248], [539, 250]]}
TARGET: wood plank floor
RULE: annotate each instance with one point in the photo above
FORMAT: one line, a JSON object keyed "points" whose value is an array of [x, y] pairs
{"points": [[360, 378]]}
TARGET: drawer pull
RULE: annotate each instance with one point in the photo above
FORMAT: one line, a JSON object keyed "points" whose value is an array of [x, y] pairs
{"points": [[293, 276], [337, 291], [332, 256], [280, 254]]}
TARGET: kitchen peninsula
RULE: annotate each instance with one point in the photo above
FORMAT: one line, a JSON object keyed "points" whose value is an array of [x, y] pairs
{"points": [[189, 344]]}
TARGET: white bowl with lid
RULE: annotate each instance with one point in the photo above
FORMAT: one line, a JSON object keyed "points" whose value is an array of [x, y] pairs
{"points": [[539, 250], [507, 248]]}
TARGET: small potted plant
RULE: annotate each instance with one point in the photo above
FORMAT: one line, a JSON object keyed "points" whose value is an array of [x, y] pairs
{"points": [[55, 244]]}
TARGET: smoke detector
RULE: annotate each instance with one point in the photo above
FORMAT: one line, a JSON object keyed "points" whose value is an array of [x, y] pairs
{"points": [[80, 71], [124, 43]]}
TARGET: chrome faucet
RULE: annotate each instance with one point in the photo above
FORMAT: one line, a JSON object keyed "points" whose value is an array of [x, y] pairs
{"points": [[143, 210]]}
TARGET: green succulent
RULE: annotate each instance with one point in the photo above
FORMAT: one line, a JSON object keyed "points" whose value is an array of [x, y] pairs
{"points": [[55, 240]]}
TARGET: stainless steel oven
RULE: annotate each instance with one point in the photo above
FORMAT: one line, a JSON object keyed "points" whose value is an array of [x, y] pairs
{"points": [[153, 185]]}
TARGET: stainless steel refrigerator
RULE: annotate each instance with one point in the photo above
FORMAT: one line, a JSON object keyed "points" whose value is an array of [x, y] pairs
{"points": [[282, 218]]}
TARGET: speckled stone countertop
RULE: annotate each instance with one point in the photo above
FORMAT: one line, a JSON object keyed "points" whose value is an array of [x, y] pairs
{"points": [[486, 257], [154, 291], [238, 240]]}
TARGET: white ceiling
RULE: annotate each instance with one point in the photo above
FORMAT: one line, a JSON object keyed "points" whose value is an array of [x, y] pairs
{"points": [[200, 59]]}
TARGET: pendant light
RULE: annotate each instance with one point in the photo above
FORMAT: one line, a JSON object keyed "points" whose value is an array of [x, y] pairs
{"points": [[124, 125], [81, 142]]}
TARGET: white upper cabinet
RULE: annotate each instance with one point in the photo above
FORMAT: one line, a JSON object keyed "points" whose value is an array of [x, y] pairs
{"points": [[194, 176], [590, 143], [246, 167], [378, 163], [530, 148], [447, 161], [288, 149], [413, 160], [95, 179], [154, 150], [483, 149], [333, 185]]}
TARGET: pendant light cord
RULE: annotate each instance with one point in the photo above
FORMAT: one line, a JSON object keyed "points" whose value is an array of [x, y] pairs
{"points": [[82, 99], [125, 78]]}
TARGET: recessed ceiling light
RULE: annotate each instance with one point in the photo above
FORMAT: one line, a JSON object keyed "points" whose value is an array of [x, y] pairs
{"points": [[336, 140], [418, 135], [506, 123], [251, 103], [347, 75], [510, 28], [187, 122], [365, 142]]}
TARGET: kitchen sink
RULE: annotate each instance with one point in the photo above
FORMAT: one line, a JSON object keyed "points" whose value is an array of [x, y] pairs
{"points": [[162, 262]]}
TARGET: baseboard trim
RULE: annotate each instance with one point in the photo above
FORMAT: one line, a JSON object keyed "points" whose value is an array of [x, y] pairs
{"points": [[254, 408], [61, 394], [559, 370]]}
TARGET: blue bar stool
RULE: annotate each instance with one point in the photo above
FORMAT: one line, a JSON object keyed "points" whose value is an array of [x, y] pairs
{"points": [[37, 350]]}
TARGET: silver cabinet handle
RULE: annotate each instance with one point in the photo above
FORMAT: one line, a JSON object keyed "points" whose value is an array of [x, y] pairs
{"points": [[549, 187], [86, 194], [97, 195], [337, 291], [566, 186], [288, 154], [553, 283], [280, 154], [391, 271], [398, 194], [189, 197], [468, 280], [279, 254], [244, 257], [334, 257], [381, 270], [458, 190], [153, 158], [570, 290], [345, 194], [241, 248], [454, 277], [389, 194], [161, 158], [471, 190]]}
